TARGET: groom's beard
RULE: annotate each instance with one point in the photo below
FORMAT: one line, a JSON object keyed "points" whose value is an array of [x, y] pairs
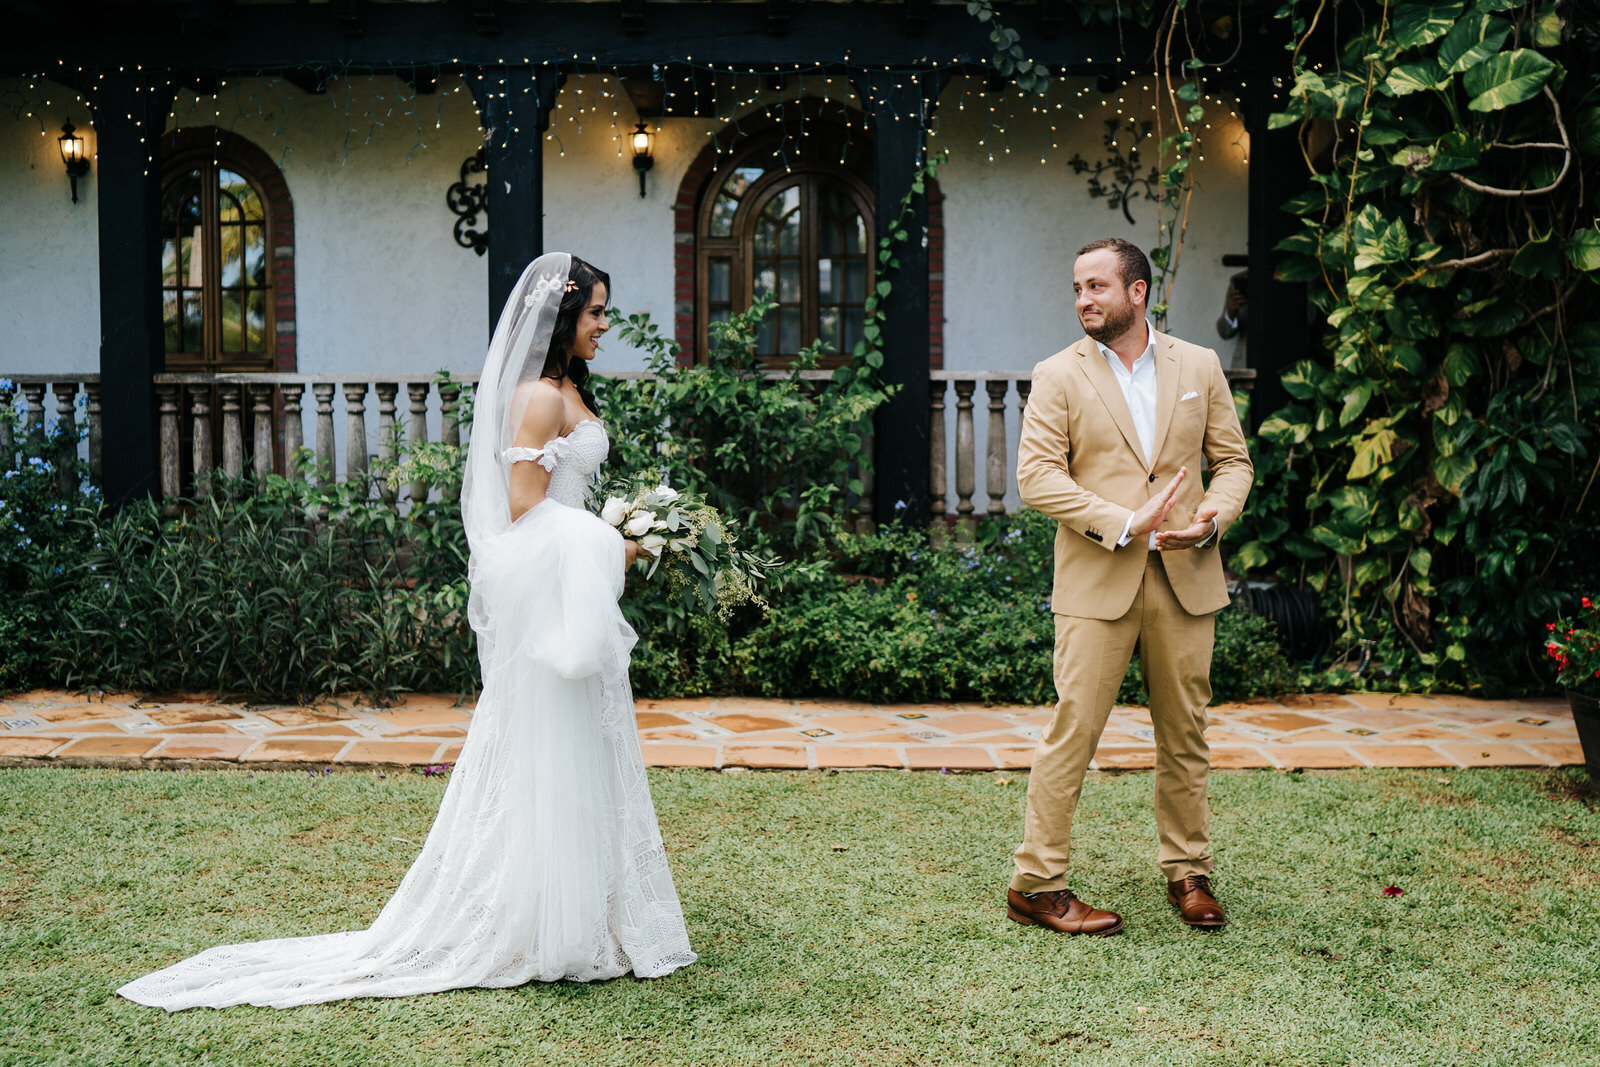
{"points": [[1114, 322]]}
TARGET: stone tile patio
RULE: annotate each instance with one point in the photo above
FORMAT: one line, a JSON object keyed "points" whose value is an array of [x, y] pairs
{"points": [[1315, 730]]}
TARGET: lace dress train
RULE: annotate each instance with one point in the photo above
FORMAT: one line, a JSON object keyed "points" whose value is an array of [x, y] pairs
{"points": [[545, 861]]}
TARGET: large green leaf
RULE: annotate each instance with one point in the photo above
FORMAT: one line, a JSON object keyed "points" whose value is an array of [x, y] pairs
{"points": [[1473, 40], [1547, 27], [1410, 78], [1372, 452], [1538, 259], [1419, 24], [1453, 470], [1583, 250], [1508, 78]]}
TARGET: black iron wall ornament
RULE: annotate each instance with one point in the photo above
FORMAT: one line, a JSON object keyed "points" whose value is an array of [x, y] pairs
{"points": [[1123, 180], [469, 200]]}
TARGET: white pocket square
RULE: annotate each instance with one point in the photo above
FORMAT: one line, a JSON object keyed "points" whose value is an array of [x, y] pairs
{"points": [[1188, 396]]}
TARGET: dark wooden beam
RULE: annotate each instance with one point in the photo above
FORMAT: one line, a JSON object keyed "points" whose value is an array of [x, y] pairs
{"points": [[1278, 334], [633, 23], [777, 17], [899, 109], [348, 15], [130, 113], [647, 92], [1052, 17], [486, 18], [916, 17]]}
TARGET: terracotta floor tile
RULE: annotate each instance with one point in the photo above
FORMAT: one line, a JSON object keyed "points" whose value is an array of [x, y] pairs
{"points": [[328, 729], [858, 756], [897, 738], [1423, 733], [454, 701], [30, 745], [1466, 703], [1330, 737], [825, 707], [1522, 731], [1139, 715], [228, 748], [404, 718], [1281, 721], [685, 705], [1373, 719], [1562, 753], [1215, 735], [752, 704], [1467, 717], [405, 753], [77, 712], [1038, 718], [1238, 757], [679, 755], [1492, 754], [90, 728], [649, 720], [1119, 758], [671, 735], [450, 754], [917, 709], [1252, 704], [304, 716], [202, 728], [1313, 756], [1314, 701], [787, 735], [792, 756], [970, 723], [289, 750], [1394, 701], [180, 716], [746, 724], [1545, 706], [110, 746], [955, 757], [1014, 757], [854, 724], [1386, 755], [451, 730]]}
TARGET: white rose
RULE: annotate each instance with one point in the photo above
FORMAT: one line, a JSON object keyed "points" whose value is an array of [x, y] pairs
{"points": [[640, 524], [678, 544], [652, 544], [666, 494], [615, 511]]}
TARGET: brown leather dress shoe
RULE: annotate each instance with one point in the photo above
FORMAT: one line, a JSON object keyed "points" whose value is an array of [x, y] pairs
{"points": [[1192, 897], [1062, 912]]}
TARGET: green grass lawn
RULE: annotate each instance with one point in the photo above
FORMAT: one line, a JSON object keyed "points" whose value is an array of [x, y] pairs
{"points": [[847, 918]]}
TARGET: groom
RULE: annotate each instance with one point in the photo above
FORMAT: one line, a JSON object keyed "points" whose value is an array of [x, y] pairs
{"points": [[1117, 431]]}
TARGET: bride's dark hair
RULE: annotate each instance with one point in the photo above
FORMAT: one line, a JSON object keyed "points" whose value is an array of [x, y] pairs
{"points": [[558, 362]]}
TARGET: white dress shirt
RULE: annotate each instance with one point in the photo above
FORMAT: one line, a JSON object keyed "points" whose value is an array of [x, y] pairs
{"points": [[1139, 390]]}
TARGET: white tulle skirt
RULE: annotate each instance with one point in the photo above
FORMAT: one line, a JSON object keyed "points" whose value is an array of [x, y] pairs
{"points": [[545, 861]]}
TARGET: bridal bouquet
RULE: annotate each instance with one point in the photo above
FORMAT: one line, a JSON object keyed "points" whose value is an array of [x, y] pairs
{"points": [[690, 545]]}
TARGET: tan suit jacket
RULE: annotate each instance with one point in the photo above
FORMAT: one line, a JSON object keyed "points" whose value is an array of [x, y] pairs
{"points": [[1079, 461]]}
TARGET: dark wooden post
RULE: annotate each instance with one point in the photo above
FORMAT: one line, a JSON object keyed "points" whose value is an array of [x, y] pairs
{"points": [[900, 106], [1277, 335], [130, 114], [514, 107]]}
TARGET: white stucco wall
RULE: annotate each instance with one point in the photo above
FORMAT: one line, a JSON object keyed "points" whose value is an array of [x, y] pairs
{"points": [[49, 246]]}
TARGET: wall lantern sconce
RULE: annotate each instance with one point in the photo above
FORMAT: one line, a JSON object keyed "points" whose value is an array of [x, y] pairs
{"points": [[642, 140], [74, 153]]}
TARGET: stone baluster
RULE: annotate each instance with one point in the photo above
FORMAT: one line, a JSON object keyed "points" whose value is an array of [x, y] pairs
{"points": [[864, 523], [388, 441], [965, 480], [418, 431], [66, 457], [32, 406], [1024, 387], [355, 428], [994, 471], [323, 391], [937, 475], [262, 435], [449, 428], [8, 443], [232, 430], [171, 468], [204, 461], [293, 429], [91, 407]]}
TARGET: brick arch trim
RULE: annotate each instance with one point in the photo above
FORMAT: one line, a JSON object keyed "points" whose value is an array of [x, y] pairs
{"points": [[228, 148], [696, 184]]}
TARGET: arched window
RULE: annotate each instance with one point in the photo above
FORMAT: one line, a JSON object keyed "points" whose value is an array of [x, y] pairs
{"points": [[789, 213], [217, 265]]}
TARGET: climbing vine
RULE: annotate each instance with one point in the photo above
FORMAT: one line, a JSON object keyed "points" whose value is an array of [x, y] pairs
{"points": [[1434, 476]]}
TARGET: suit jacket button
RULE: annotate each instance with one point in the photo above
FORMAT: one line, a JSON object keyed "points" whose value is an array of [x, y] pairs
{"points": [[1152, 477]]}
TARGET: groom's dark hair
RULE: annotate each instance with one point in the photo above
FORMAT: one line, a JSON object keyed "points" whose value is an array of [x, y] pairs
{"points": [[558, 364], [1131, 262]]}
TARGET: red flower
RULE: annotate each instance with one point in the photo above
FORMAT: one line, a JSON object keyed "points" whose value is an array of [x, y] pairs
{"points": [[1392, 891]]}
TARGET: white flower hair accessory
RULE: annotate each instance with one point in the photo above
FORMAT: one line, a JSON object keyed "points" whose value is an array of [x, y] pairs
{"points": [[547, 282]]}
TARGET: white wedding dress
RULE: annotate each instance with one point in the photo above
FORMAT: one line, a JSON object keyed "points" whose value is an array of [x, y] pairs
{"points": [[545, 861]]}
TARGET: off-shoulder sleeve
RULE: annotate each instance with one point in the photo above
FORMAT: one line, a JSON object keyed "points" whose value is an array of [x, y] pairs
{"points": [[546, 457]]}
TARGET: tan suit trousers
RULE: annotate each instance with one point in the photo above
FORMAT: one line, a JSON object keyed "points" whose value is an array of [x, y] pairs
{"points": [[1091, 657]]}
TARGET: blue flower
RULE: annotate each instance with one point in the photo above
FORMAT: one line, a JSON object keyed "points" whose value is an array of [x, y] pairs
{"points": [[7, 386]]}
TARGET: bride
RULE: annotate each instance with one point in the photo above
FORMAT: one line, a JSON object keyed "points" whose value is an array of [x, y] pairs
{"points": [[545, 861]]}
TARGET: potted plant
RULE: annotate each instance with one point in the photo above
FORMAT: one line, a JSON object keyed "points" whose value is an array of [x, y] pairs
{"points": [[1574, 644]]}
